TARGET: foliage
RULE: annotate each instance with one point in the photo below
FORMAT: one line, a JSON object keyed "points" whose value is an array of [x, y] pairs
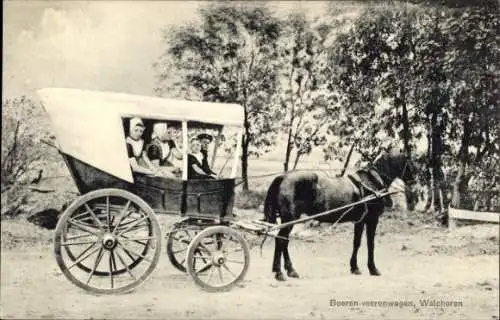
{"points": [[22, 153], [304, 95], [230, 56], [360, 61]]}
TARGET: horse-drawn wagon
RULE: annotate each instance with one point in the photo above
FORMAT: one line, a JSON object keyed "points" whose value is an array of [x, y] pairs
{"points": [[109, 239]]}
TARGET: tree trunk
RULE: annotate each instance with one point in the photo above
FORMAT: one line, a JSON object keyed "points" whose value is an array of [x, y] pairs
{"points": [[460, 183], [289, 142], [297, 157], [459, 187], [288, 150], [244, 162], [244, 145], [436, 175], [406, 125], [346, 163]]}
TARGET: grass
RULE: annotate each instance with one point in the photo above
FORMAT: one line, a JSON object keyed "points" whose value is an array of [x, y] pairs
{"points": [[18, 233]]}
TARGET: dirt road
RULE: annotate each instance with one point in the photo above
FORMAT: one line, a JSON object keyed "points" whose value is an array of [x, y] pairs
{"points": [[428, 264]]}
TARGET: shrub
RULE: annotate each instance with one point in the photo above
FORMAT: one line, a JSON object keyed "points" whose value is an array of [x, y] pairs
{"points": [[22, 153]]}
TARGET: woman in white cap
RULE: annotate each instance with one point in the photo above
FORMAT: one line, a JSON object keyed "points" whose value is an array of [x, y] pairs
{"points": [[161, 149], [135, 147]]}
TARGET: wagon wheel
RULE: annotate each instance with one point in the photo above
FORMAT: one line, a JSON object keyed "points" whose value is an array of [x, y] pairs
{"points": [[114, 241], [101, 211], [223, 260], [178, 241]]}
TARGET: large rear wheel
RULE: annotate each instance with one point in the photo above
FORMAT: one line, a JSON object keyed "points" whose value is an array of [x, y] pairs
{"points": [[108, 241]]}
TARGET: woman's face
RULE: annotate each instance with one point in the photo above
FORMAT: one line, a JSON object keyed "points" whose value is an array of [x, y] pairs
{"points": [[165, 136], [195, 146], [136, 132]]}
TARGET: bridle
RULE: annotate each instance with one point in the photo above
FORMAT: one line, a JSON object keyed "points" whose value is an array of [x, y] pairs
{"points": [[403, 172]]}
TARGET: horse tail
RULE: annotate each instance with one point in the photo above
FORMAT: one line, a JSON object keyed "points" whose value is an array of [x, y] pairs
{"points": [[271, 202]]}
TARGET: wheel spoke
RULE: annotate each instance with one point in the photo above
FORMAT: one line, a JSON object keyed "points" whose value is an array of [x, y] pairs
{"points": [[76, 243], [134, 253], [220, 274], [211, 275], [137, 239], [123, 214], [235, 261], [85, 251], [181, 240], [82, 227], [79, 236], [77, 261], [234, 251], [96, 263], [111, 264], [229, 270], [135, 228], [224, 244], [205, 268], [125, 265], [201, 257], [84, 214], [125, 238], [133, 225], [182, 262], [99, 223], [108, 213], [177, 251]]}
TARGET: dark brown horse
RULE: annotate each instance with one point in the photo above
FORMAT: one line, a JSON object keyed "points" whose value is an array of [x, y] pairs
{"points": [[295, 193]]}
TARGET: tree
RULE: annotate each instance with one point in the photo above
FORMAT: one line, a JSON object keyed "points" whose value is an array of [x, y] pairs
{"points": [[304, 95], [471, 67], [230, 56], [356, 67]]}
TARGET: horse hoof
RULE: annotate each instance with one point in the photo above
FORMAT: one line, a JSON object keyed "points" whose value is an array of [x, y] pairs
{"points": [[375, 272], [293, 274], [280, 276], [356, 271]]}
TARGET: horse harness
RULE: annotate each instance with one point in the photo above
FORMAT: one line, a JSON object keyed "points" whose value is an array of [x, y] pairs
{"points": [[363, 186]]}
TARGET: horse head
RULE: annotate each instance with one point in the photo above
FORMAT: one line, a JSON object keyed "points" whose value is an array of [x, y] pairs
{"points": [[394, 164]]}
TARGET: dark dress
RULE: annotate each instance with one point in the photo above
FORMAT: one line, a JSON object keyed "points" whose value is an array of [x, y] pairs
{"points": [[154, 152], [192, 174]]}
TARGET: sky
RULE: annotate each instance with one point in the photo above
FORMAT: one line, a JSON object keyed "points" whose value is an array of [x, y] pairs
{"points": [[101, 45], [97, 45]]}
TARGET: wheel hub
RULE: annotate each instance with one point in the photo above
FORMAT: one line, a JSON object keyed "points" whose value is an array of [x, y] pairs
{"points": [[109, 241], [218, 259]]}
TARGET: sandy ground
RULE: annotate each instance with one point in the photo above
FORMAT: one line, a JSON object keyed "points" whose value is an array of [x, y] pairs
{"points": [[416, 264]]}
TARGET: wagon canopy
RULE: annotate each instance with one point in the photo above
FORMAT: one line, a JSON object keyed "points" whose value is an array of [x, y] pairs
{"points": [[89, 124]]}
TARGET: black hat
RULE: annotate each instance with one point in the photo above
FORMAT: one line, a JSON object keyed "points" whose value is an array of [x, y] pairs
{"points": [[205, 136]]}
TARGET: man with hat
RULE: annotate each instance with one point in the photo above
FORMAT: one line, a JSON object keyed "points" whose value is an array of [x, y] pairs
{"points": [[205, 140]]}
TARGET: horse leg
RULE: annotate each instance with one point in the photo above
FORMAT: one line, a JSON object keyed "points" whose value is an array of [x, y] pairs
{"points": [[358, 232], [371, 227], [288, 262], [278, 249]]}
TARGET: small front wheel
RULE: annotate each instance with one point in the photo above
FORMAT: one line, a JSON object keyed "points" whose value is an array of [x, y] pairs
{"points": [[178, 240], [218, 258]]}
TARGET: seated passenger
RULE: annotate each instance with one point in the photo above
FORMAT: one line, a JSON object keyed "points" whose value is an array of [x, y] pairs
{"points": [[205, 140], [161, 149], [195, 159], [135, 147]]}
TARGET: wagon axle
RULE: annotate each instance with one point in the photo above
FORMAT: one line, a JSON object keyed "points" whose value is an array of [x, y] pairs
{"points": [[218, 259], [109, 241]]}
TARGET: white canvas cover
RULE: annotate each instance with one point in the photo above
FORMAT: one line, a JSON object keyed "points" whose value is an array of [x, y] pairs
{"points": [[88, 124]]}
